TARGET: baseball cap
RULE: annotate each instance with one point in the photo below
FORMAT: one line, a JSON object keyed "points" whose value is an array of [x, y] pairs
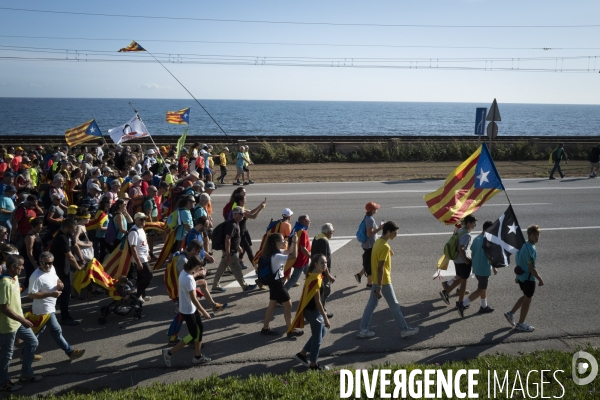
{"points": [[372, 206], [136, 179], [210, 185], [151, 151], [19, 148], [10, 174], [10, 188], [226, 148], [287, 212], [114, 182], [95, 187], [199, 183], [140, 215]]}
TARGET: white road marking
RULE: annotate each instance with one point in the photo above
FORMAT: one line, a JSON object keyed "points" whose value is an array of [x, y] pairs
{"points": [[489, 205], [334, 244]]}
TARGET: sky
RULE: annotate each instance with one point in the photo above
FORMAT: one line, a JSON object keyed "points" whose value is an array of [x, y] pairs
{"points": [[336, 68]]}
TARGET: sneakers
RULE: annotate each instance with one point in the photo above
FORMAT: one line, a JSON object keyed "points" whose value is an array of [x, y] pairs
{"points": [[268, 332], [219, 307], [10, 387], [166, 357], [303, 360], [36, 357], [318, 367], [485, 310], [69, 322], [31, 379], [510, 318], [260, 285], [296, 284], [246, 183], [251, 181], [200, 360], [75, 354], [524, 327], [295, 332], [237, 183], [174, 341], [144, 299], [218, 289], [227, 272], [357, 277], [408, 332], [552, 178], [458, 291], [366, 334], [249, 288], [445, 297], [460, 307]]}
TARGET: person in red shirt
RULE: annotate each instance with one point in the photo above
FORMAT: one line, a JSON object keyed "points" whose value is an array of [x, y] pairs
{"points": [[146, 181], [27, 210], [18, 158], [183, 161], [303, 259]]}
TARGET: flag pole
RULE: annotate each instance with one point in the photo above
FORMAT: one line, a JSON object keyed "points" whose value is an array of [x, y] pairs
{"points": [[149, 135], [190, 93], [103, 138]]}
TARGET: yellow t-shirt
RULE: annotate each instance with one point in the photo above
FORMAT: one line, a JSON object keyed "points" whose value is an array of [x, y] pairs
{"points": [[381, 252], [223, 158], [10, 295]]}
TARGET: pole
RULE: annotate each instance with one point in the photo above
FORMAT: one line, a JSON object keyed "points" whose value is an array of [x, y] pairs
{"points": [[492, 122], [103, 138], [149, 135]]}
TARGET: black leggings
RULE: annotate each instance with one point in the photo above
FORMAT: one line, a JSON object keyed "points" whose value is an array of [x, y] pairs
{"points": [[195, 327], [143, 280], [246, 246]]}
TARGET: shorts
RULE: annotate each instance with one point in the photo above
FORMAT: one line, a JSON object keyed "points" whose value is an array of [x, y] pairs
{"points": [[277, 292], [367, 260], [482, 282], [207, 171], [195, 327], [240, 170], [528, 288], [463, 270], [246, 168], [594, 164]]}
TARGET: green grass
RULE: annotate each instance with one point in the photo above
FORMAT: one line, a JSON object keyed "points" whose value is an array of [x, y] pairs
{"points": [[326, 385]]}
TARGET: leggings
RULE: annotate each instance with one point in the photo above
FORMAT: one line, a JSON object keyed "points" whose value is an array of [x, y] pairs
{"points": [[247, 249], [195, 327]]}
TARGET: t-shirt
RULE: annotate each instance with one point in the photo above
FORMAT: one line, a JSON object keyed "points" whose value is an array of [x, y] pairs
{"points": [[479, 260], [33, 175], [186, 285], [381, 252], [277, 263], [144, 187], [193, 234], [23, 215], [10, 295], [302, 259], [43, 282], [101, 233], [223, 159], [246, 163], [524, 256], [233, 229], [240, 160], [370, 223], [60, 247], [6, 203], [464, 240], [186, 218], [137, 238], [150, 204], [199, 212], [181, 261]]}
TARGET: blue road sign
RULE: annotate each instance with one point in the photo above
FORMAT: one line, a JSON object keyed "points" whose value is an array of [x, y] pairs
{"points": [[480, 121]]}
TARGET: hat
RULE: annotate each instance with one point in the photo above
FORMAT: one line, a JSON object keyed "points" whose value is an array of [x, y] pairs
{"points": [[19, 148], [195, 175], [136, 179], [114, 182], [151, 151], [287, 212], [9, 157], [125, 196], [225, 148], [84, 216], [237, 210], [199, 183], [140, 215], [10, 188], [210, 185], [72, 210], [94, 170], [202, 152], [106, 168], [184, 150], [25, 159], [95, 187], [372, 206], [10, 174]]}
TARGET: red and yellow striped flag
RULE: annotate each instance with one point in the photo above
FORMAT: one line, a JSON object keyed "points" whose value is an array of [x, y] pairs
{"points": [[38, 321], [179, 117], [82, 133], [133, 46], [164, 253], [466, 189], [94, 272], [287, 269], [124, 188], [119, 261], [96, 223], [312, 284], [171, 279], [157, 226]]}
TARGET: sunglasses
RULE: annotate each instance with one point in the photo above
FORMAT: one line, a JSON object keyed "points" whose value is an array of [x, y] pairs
{"points": [[48, 263]]}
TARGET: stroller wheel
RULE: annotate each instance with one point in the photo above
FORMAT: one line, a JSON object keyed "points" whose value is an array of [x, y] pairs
{"points": [[102, 320], [104, 311]]}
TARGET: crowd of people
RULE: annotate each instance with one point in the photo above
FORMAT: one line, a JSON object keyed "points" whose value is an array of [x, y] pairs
{"points": [[63, 209]]}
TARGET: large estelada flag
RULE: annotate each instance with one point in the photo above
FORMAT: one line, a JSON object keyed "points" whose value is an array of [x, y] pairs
{"points": [[312, 284], [132, 129], [118, 262], [470, 185], [134, 46], [179, 117], [82, 133], [503, 239]]}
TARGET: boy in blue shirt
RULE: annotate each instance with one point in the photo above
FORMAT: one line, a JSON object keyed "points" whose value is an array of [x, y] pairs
{"points": [[526, 261]]}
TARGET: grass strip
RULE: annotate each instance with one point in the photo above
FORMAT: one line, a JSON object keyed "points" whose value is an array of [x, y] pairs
{"points": [[326, 385]]}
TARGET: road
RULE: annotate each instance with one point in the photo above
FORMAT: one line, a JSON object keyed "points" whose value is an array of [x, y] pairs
{"points": [[125, 353]]}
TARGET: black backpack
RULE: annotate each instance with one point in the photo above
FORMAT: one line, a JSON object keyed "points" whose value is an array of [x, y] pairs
{"points": [[265, 272], [218, 236]]}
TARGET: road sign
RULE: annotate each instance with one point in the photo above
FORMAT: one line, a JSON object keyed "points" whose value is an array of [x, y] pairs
{"points": [[494, 114], [492, 130], [480, 114]]}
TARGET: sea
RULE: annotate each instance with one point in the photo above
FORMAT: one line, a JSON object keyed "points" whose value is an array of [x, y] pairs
{"points": [[52, 116]]}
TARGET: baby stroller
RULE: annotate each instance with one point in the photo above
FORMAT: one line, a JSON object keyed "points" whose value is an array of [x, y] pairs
{"points": [[121, 307]]}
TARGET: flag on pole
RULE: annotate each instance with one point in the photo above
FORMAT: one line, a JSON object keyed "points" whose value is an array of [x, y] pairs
{"points": [[82, 133], [179, 117], [312, 284], [470, 185], [502, 239], [132, 129], [181, 142], [134, 46]]}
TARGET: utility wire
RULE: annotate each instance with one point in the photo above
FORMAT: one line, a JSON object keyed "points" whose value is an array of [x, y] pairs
{"points": [[297, 22]]}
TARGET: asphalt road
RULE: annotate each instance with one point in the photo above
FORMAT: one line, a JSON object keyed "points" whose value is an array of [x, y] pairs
{"points": [[125, 353]]}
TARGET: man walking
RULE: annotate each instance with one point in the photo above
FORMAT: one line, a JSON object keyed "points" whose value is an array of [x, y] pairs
{"points": [[381, 266], [44, 289], [557, 155], [302, 261], [594, 160], [138, 243], [526, 262], [320, 245]]}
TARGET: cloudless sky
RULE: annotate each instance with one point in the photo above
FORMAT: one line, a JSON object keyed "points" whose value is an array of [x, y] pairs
{"points": [[206, 81]]}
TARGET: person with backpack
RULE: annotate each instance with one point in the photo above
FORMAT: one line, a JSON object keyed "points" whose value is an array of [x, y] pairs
{"points": [[138, 244], [557, 155], [320, 245], [270, 272], [366, 235], [594, 159], [117, 224]]}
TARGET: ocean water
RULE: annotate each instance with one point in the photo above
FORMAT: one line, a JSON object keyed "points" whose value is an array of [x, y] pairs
{"points": [[44, 116]]}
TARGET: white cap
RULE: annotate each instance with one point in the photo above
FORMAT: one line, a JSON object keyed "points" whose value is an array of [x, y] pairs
{"points": [[151, 151], [287, 212]]}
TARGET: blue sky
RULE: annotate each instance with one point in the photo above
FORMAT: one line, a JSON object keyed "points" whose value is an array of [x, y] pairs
{"points": [[210, 81]]}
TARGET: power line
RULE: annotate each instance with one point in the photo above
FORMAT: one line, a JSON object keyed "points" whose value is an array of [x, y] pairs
{"points": [[298, 22]]}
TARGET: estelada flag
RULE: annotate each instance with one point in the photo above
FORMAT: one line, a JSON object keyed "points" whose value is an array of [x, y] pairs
{"points": [[312, 284], [164, 253], [171, 279], [134, 46], [179, 117], [118, 262], [157, 226], [96, 223], [82, 133], [38, 321], [470, 185]]}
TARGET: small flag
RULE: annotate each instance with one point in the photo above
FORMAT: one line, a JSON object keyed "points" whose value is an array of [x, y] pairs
{"points": [[132, 47], [503, 238], [82, 133], [179, 117], [119, 261], [172, 279], [312, 284], [181, 142], [164, 253], [96, 223], [466, 189], [38, 321], [158, 226], [132, 129]]}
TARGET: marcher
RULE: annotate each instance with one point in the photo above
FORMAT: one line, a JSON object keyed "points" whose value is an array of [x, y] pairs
{"points": [[138, 243], [525, 259], [594, 158], [223, 165], [246, 168], [320, 245], [557, 155], [299, 265], [367, 246], [381, 267], [32, 248], [239, 165]]}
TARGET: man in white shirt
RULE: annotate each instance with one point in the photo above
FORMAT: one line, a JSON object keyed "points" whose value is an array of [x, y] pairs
{"points": [[44, 289], [140, 252]]}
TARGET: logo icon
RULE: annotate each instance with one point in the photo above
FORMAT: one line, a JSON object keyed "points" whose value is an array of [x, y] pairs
{"points": [[582, 367]]}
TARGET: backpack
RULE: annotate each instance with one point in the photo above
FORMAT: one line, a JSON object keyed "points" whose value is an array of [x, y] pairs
{"points": [[361, 233], [218, 236], [173, 222], [451, 247], [111, 230], [216, 160], [227, 209], [265, 272], [555, 154]]}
